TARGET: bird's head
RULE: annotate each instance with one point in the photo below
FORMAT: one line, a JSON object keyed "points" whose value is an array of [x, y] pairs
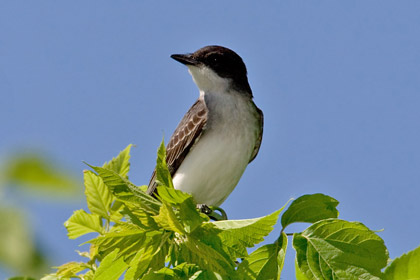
{"points": [[216, 68]]}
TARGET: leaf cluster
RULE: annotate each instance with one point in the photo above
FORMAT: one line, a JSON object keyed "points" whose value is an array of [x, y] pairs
{"points": [[167, 237]]}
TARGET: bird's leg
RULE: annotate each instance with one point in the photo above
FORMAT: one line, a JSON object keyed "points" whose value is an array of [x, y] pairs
{"points": [[211, 212]]}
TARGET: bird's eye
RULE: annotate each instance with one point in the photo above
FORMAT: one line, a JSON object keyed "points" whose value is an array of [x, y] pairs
{"points": [[213, 59]]}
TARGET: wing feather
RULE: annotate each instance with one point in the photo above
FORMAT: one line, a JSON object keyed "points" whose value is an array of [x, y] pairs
{"points": [[186, 134], [259, 139]]}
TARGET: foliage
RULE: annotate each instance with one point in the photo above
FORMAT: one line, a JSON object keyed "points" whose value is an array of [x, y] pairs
{"points": [[167, 237], [30, 174], [405, 267], [34, 171]]}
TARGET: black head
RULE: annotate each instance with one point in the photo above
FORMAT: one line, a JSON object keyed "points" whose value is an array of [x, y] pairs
{"points": [[225, 62]]}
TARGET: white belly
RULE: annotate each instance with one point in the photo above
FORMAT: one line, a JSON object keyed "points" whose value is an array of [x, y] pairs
{"points": [[217, 161]]}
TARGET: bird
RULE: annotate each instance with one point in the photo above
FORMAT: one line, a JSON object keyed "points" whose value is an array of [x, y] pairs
{"points": [[220, 134]]}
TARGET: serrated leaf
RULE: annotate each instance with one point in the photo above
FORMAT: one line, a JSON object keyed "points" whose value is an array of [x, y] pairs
{"points": [[242, 234], [125, 191], [86, 276], [172, 195], [266, 262], [186, 270], [139, 217], [180, 272], [189, 215], [184, 218], [338, 249], [121, 163], [163, 176], [98, 197], [111, 267], [139, 264], [168, 220], [162, 274], [81, 223], [406, 267], [71, 269], [310, 209], [151, 256], [192, 249], [125, 237]]}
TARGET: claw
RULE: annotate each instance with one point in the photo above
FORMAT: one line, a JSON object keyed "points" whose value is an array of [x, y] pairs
{"points": [[211, 212]]}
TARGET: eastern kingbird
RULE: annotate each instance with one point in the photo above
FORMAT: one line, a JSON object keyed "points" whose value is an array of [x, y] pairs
{"points": [[220, 134]]}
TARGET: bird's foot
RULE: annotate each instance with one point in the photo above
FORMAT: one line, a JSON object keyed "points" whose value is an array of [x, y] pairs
{"points": [[212, 212]]}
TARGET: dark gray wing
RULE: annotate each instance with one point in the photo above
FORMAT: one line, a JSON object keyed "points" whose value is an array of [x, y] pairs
{"points": [[259, 139], [184, 137]]}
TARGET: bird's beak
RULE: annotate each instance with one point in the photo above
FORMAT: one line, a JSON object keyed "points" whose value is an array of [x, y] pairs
{"points": [[185, 59]]}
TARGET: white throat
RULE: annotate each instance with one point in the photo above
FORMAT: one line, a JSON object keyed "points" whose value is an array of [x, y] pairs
{"points": [[207, 80]]}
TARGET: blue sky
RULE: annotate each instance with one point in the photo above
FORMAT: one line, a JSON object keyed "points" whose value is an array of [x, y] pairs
{"points": [[338, 81]]}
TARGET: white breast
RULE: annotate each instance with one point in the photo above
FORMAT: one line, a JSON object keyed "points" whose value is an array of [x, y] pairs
{"points": [[218, 159]]}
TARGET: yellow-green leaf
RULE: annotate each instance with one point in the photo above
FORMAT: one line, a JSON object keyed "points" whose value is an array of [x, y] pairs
{"points": [[111, 267], [266, 262], [405, 267], [168, 220], [241, 234], [121, 163], [98, 196], [163, 176], [81, 223]]}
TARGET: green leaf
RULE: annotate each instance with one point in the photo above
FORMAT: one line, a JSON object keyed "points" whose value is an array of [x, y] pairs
{"points": [[187, 270], [151, 256], [111, 267], [187, 212], [168, 220], [310, 208], [299, 274], [121, 163], [86, 276], [242, 234], [163, 176], [139, 264], [266, 262], [162, 274], [172, 195], [405, 267], [125, 191], [36, 172], [190, 216], [71, 269], [193, 249], [338, 249], [139, 217], [125, 237], [21, 278], [81, 223], [180, 272], [98, 197]]}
